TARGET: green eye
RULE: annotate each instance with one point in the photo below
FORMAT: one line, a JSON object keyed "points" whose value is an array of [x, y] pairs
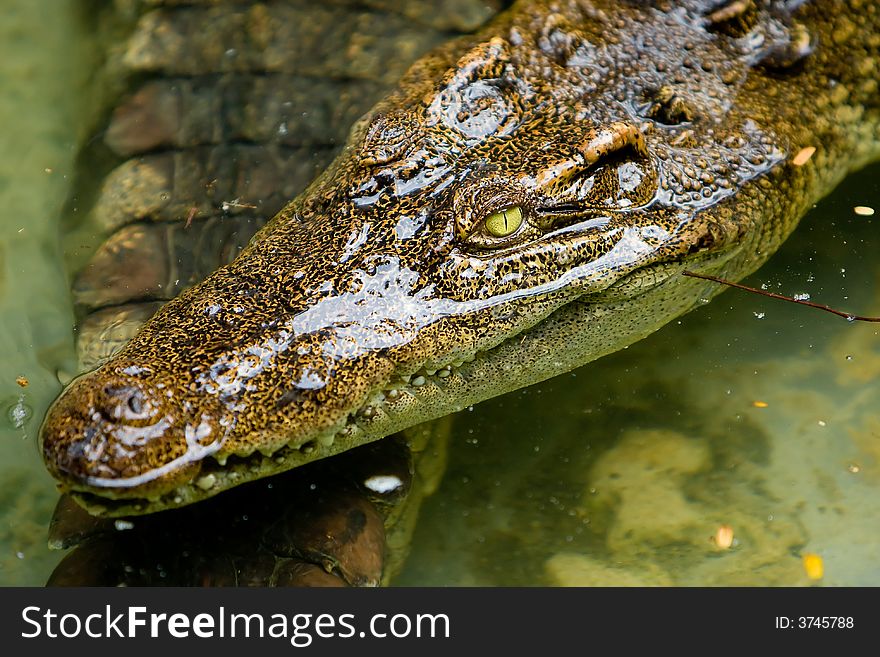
{"points": [[504, 222]]}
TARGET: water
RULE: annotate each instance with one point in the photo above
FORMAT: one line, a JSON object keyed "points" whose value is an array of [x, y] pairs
{"points": [[42, 74], [748, 413]]}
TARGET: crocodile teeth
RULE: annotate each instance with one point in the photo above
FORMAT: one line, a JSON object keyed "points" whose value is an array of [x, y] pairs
{"points": [[207, 482]]}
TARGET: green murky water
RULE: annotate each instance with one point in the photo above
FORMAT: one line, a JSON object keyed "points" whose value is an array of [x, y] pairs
{"points": [[43, 72], [619, 473]]}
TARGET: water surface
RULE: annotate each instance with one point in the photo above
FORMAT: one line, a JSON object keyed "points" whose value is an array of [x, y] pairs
{"points": [[43, 72], [748, 412]]}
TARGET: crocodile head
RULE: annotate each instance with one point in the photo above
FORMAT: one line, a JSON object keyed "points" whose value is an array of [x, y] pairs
{"points": [[522, 204]]}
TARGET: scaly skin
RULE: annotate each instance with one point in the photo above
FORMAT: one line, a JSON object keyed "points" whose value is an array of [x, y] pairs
{"points": [[637, 140]]}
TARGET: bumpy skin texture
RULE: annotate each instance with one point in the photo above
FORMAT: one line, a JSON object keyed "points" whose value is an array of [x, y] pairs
{"points": [[637, 139], [212, 157]]}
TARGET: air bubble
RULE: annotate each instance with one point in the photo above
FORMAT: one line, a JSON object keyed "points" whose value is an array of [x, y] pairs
{"points": [[19, 413]]}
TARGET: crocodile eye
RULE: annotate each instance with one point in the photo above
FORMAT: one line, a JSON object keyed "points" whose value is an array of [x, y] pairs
{"points": [[504, 222]]}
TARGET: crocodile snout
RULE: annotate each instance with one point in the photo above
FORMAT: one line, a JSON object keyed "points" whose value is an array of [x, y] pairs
{"points": [[92, 431], [128, 403]]}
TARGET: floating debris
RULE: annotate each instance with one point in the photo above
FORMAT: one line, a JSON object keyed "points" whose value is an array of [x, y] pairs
{"points": [[813, 566], [723, 538], [760, 404], [22, 381], [853, 468], [236, 203], [803, 156], [864, 211], [193, 211]]}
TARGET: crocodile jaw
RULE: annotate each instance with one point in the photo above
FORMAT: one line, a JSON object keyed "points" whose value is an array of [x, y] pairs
{"points": [[589, 328]]}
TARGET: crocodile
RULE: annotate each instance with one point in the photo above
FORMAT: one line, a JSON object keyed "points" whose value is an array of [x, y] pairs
{"points": [[208, 154], [522, 203]]}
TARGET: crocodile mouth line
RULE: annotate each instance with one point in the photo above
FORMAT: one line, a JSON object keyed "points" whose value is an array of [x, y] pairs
{"points": [[224, 471]]}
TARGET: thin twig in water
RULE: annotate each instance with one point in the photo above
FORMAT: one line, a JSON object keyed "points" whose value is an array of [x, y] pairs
{"points": [[193, 211], [847, 316]]}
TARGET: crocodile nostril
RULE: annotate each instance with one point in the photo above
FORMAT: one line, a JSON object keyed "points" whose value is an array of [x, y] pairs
{"points": [[136, 403], [126, 404]]}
